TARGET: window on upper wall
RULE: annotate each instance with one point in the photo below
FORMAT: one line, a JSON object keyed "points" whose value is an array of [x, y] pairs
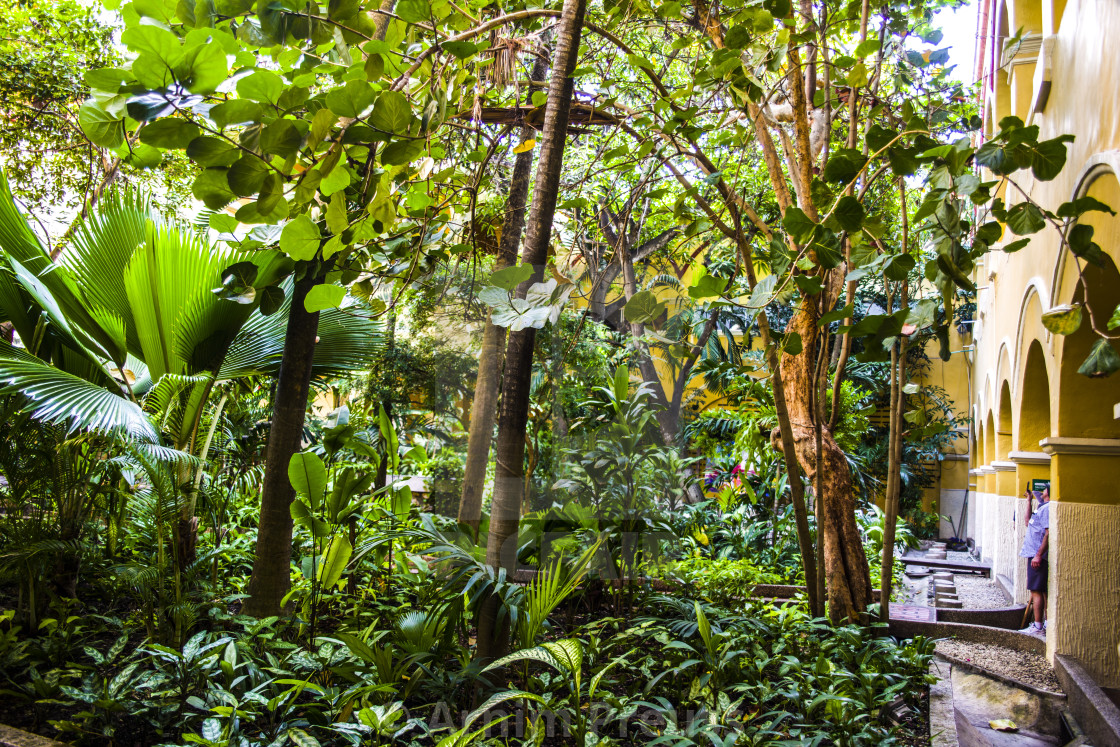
{"points": [[1020, 54]]}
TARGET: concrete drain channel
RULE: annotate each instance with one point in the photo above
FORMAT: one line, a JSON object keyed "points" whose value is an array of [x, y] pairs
{"points": [[994, 687]]}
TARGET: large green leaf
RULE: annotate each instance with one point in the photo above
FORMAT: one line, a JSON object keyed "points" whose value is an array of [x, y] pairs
{"points": [[334, 560], [308, 476], [168, 282]]}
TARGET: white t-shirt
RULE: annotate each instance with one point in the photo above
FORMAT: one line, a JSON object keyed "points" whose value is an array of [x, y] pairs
{"points": [[1036, 528]]}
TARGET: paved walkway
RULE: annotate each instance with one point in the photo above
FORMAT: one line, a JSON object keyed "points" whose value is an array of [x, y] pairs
{"points": [[918, 612]]}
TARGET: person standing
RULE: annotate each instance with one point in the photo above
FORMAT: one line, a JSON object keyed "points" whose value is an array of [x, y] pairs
{"points": [[1035, 548]]}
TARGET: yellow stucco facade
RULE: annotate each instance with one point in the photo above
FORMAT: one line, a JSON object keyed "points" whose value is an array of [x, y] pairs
{"points": [[1033, 415]]}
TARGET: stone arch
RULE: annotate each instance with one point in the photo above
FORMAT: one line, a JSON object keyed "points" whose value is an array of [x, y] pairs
{"points": [[1097, 176], [990, 439], [987, 397], [1036, 299], [1005, 423], [1085, 409], [1034, 400]]}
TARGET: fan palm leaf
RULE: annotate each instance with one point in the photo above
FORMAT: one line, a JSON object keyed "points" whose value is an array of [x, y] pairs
{"points": [[56, 396], [132, 306], [348, 340]]}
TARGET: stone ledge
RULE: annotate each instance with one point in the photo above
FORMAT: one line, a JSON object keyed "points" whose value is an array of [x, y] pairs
{"points": [[12, 737], [974, 633], [1029, 457], [1081, 446], [942, 720], [1006, 618], [1003, 466], [1094, 711]]}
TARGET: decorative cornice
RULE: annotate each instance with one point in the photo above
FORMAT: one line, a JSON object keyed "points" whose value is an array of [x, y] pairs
{"points": [[984, 470], [1024, 52], [1029, 457], [1003, 466], [1081, 446]]}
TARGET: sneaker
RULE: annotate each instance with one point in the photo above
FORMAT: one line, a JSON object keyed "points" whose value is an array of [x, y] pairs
{"points": [[1034, 629]]}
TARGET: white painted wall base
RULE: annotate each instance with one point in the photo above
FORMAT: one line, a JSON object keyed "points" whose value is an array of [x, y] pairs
{"points": [[951, 503], [998, 530]]}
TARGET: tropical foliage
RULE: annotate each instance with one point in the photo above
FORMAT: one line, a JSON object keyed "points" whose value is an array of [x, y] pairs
{"points": [[248, 493]]}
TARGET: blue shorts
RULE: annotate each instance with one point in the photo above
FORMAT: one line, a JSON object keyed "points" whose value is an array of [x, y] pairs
{"points": [[1037, 577]]}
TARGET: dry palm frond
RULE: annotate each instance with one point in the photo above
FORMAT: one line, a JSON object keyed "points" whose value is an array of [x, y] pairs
{"points": [[506, 51]]}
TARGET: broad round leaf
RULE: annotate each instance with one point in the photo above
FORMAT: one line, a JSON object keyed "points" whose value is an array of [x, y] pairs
{"points": [[264, 86], [1063, 320], [308, 476], [300, 238], [326, 296], [101, 127], [169, 133]]}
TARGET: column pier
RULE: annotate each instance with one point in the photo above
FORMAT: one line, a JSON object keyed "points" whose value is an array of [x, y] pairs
{"points": [[1083, 608]]}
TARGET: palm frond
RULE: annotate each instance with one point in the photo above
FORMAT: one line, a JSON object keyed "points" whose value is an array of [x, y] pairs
{"points": [[55, 396], [348, 340], [169, 386], [101, 249]]}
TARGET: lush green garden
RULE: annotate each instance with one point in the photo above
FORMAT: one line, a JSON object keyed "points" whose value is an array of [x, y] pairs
{"points": [[436, 373]]}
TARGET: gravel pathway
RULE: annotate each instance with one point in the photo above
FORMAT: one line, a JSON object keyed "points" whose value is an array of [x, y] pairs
{"points": [[978, 593], [1025, 667]]}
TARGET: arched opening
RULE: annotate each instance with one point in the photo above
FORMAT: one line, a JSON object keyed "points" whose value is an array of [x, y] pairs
{"points": [[1034, 409], [1086, 409], [990, 439], [1004, 427]]}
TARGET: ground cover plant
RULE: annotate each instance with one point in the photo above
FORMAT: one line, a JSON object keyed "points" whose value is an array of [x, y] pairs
{"points": [[497, 362]]}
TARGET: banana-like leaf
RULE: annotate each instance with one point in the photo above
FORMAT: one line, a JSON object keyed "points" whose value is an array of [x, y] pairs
{"points": [[334, 560], [308, 476], [465, 736], [55, 396]]}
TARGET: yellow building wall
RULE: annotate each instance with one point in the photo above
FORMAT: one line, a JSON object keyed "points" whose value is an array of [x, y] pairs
{"points": [[1061, 423]]}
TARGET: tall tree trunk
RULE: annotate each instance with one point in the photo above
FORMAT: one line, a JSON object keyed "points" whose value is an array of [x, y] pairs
{"points": [[894, 475], [894, 456], [483, 408], [669, 410], [505, 514], [846, 570], [271, 578]]}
